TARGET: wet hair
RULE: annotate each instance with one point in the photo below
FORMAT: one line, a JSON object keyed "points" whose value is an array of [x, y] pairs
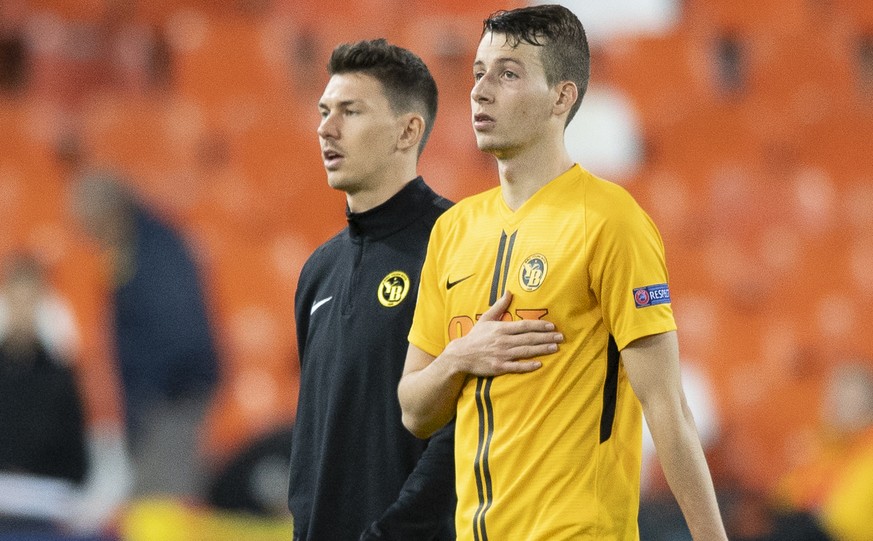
{"points": [[407, 82], [559, 32]]}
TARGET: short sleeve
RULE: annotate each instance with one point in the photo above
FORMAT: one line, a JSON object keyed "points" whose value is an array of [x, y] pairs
{"points": [[427, 331], [628, 272]]}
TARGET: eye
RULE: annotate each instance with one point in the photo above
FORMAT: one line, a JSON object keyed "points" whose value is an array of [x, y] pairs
{"points": [[323, 113], [510, 75], [351, 112], [478, 75]]}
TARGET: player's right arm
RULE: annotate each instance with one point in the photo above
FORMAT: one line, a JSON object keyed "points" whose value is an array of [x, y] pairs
{"points": [[430, 386], [428, 391]]}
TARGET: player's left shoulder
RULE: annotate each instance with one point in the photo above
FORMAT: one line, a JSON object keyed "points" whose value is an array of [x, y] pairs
{"points": [[606, 189], [608, 200]]}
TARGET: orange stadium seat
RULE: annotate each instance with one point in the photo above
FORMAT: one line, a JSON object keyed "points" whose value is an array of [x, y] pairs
{"points": [[224, 63], [86, 10], [755, 17], [664, 75], [858, 12], [840, 142]]}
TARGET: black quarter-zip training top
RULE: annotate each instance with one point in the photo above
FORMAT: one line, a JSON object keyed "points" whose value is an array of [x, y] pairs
{"points": [[354, 467]]}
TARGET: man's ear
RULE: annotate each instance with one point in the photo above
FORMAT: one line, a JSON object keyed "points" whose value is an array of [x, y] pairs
{"points": [[412, 126], [568, 93]]}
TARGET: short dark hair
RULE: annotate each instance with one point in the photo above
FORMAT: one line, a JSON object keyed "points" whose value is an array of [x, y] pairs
{"points": [[559, 32], [408, 84]]}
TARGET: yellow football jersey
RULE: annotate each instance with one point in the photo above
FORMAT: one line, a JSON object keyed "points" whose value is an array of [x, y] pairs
{"points": [[553, 454]]}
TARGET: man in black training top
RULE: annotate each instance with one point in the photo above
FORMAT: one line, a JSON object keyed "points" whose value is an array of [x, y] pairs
{"points": [[356, 473]]}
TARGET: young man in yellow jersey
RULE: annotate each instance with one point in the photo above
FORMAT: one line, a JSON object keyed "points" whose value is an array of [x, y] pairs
{"points": [[544, 323]]}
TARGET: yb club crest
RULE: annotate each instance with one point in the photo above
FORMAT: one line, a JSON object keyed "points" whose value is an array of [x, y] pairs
{"points": [[533, 272], [393, 289]]}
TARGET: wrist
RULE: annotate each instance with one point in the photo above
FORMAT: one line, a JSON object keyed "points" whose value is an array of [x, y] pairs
{"points": [[451, 362]]}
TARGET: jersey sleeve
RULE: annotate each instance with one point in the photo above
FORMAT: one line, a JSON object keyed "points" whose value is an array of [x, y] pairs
{"points": [[628, 273], [427, 331]]}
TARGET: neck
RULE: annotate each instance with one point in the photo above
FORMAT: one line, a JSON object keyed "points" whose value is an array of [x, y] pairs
{"points": [[380, 190], [524, 172]]}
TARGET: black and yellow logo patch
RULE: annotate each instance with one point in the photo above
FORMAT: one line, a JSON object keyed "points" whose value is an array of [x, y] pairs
{"points": [[393, 289], [533, 272]]}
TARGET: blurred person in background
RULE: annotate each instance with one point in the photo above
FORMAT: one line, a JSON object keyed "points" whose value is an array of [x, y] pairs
{"points": [[830, 495], [356, 473], [255, 480], [43, 439], [163, 338]]}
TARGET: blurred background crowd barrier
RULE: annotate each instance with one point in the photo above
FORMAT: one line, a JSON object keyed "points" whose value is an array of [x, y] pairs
{"points": [[744, 128]]}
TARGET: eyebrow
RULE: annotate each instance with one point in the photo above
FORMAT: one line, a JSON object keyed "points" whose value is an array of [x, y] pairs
{"points": [[501, 60], [343, 103]]}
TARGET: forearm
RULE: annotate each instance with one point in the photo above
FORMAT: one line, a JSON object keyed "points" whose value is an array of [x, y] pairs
{"points": [[428, 397], [430, 386], [687, 473]]}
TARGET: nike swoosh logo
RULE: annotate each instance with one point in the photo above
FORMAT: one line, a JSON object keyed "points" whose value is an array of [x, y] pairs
{"points": [[450, 285], [319, 304]]}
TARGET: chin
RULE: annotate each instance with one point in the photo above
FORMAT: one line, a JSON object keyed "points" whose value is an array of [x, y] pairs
{"points": [[500, 148], [336, 180], [490, 147], [485, 143], [343, 183]]}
